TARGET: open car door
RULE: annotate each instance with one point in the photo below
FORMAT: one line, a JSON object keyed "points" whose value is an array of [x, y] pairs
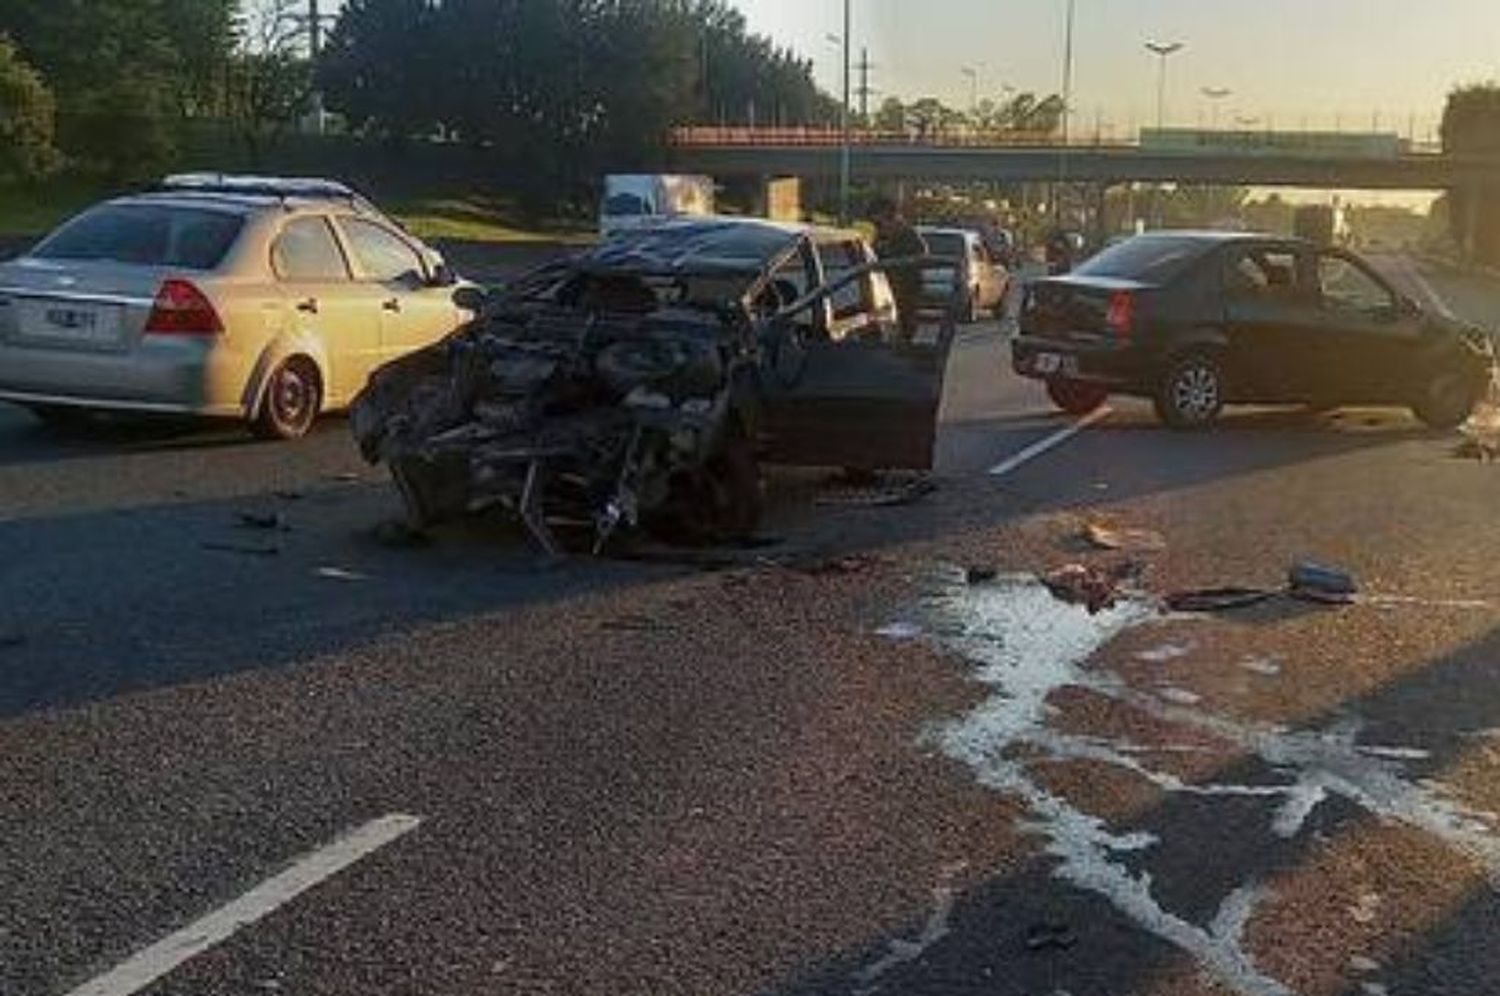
{"points": [[868, 402]]}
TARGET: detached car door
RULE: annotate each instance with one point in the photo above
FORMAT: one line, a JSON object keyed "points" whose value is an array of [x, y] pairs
{"points": [[864, 402]]}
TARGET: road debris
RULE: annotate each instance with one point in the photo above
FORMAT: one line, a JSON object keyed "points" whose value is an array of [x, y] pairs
{"points": [[1095, 588], [341, 574], [1217, 599], [1481, 432], [636, 624], [399, 535], [1315, 582], [980, 575], [247, 549], [900, 631], [1266, 667], [264, 520], [1105, 537], [884, 491], [1050, 935]]}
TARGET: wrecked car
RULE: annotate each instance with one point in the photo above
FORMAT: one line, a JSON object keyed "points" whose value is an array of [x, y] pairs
{"points": [[642, 384]]}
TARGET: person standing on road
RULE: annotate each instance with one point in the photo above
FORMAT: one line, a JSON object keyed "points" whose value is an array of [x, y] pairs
{"points": [[896, 238]]}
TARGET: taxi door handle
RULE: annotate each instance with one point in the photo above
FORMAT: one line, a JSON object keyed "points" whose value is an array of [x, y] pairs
{"points": [[310, 305], [393, 305]]}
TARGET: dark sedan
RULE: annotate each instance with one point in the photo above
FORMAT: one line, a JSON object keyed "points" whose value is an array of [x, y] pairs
{"points": [[1197, 320]]}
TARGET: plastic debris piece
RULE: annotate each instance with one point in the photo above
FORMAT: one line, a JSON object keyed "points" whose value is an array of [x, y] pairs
{"points": [[1105, 537], [1051, 935], [264, 520], [399, 535], [884, 491], [1217, 599], [900, 631], [1316, 582], [248, 549], [1096, 589], [341, 574]]}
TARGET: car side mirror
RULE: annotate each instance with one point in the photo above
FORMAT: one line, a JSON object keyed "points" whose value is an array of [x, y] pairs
{"points": [[470, 298], [442, 276], [1407, 307]]}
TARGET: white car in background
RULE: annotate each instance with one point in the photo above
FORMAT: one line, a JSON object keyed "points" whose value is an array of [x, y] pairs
{"points": [[263, 299], [985, 280]]}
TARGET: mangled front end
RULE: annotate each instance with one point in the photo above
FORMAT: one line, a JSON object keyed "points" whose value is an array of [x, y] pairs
{"points": [[575, 423]]}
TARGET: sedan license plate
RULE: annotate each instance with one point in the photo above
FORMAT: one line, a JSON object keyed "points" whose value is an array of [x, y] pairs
{"points": [[80, 324]]}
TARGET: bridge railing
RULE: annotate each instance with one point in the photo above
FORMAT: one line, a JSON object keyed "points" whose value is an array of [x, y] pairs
{"points": [[737, 135], [742, 136]]}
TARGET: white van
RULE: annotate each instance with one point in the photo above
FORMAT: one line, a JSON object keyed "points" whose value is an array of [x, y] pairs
{"points": [[635, 200]]}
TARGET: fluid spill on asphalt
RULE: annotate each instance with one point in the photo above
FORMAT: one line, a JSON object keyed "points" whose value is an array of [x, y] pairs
{"points": [[901, 951], [1026, 645]]}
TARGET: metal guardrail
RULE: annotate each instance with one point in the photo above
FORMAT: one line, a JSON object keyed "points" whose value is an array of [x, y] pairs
{"points": [[740, 136]]}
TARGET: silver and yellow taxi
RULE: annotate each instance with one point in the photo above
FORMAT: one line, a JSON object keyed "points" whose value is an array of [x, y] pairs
{"points": [[263, 299]]}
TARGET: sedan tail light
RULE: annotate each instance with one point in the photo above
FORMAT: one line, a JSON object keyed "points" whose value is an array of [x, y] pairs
{"points": [[182, 309], [1121, 315]]}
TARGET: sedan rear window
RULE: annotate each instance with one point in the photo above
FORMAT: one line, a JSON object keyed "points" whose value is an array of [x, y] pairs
{"points": [[945, 244], [146, 235], [1146, 258]]}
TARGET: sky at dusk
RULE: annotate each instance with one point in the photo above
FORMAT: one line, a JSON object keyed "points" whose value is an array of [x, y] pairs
{"points": [[1290, 63]]}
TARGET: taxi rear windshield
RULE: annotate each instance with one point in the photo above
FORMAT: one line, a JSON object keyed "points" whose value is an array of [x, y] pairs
{"points": [[146, 235]]}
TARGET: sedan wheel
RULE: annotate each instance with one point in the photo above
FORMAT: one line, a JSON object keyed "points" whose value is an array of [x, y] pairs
{"points": [[1446, 401], [1076, 397], [1191, 394], [293, 399]]}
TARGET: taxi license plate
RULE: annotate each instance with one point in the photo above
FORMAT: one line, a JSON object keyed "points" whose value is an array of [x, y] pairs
{"points": [[1048, 363]]}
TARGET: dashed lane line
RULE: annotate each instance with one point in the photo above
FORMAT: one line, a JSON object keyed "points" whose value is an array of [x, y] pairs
{"points": [[1050, 443], [149, 965]]}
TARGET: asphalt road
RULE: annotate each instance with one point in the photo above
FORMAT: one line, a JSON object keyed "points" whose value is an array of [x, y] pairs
{"points": [[835, 767]]}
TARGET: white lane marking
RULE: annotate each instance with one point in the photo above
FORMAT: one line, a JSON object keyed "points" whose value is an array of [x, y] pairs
{"points": [[1052, 442], [146, 967]]}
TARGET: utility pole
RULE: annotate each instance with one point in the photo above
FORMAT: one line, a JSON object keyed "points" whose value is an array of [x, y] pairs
{"points": [[314, 29], [314, 48], [1067, 112], [865, 91], [844, 153]]}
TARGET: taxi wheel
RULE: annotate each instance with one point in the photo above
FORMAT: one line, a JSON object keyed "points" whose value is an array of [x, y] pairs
{"points": [[1075, 396], [293, 398]]}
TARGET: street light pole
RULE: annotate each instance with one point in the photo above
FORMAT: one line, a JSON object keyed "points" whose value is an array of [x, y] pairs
{"points": [[844, 153], [1162, 50], [1067, 111], [1215, 94]]}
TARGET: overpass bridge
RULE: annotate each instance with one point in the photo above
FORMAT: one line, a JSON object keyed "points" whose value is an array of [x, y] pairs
{"points": [[816, 155]]}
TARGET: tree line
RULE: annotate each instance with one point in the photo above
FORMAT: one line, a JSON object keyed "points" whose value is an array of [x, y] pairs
{"points": [[553, 90], [558, 90]]}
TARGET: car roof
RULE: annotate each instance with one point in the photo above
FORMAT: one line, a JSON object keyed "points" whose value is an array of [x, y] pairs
{"points": [[710, 244], [947, 230], [1214, 235]]}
